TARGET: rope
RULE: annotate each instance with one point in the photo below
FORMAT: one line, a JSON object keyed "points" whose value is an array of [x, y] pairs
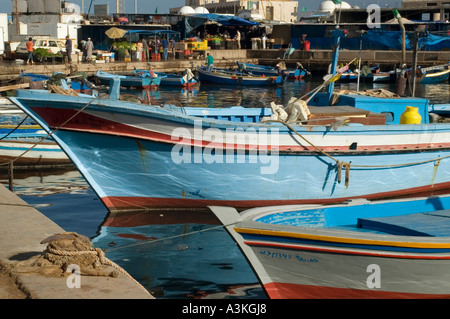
{"points": [[348, 166], [101, 256], [50, 134], [152, 241], [14, 129]]}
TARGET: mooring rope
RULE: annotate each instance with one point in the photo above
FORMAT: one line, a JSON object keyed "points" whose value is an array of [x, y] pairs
{"points": [[101, 256], [14, 129], [347, 166], [152, 241]]}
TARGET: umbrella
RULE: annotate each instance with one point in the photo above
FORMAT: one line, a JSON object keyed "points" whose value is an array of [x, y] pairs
{"points": [[115, 33]]}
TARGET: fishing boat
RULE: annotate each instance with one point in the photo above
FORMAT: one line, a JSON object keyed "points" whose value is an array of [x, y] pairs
{"points": [[227, 77], [129, 81], [27, 149], [358, 249], [186, 80], [434, 74], [256, 69], [379, 77], [142, 156], [33, 76]]}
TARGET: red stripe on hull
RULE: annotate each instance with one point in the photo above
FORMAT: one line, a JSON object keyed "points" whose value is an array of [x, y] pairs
{"points": [[90, 123], [277, 290], [142, 203]]}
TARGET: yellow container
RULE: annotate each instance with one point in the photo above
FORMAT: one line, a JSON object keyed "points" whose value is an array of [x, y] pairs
{"points": [[410, 116]]}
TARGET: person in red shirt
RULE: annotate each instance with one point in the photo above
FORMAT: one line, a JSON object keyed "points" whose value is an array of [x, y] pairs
{"points": [[29, 47]]}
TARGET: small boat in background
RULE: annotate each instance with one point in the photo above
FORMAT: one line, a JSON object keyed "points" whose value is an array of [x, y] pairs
{"points": [[227, 77], [280, 69], [130, 81], [358, 249], [185, 80], [434, 74], [29, 149]]}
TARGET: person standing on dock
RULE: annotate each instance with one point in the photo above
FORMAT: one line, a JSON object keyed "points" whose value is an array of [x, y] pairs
{"points": [[238, 38], [30, 49], [69, 49], [139, 49], [165, 44], [145, 48], [89, 49], [209, 62]]}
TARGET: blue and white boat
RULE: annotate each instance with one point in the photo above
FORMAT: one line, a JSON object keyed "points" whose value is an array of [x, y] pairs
{"points": [[170, 79], [358, 249], [227, 77], [434, 74], [30, 149], [256, 69], [193, 157], [141, 156], [129, 81]]}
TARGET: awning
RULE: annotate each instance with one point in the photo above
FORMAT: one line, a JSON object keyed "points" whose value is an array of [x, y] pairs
{"points": [[226, 20], [152, 32]]}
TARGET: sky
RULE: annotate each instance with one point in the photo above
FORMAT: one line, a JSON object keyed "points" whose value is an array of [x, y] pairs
{"points": [[163, 6]]}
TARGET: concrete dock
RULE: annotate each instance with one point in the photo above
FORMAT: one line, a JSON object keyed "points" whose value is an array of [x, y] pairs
{"points": [[22, 228]]}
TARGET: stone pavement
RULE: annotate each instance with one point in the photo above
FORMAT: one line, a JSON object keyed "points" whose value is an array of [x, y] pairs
{"points": [[22, 228]]}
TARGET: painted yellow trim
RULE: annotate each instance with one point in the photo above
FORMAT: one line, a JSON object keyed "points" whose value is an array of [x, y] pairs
{"points": [[22, 126], [437, 73], [342, 239]]}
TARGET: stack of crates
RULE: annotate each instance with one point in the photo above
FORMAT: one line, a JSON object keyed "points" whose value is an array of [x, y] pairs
{"points": [[202, 45]]}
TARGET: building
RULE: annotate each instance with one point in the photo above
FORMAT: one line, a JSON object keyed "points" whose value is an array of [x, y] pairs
{"points": [[261, 10], [44, 18]]}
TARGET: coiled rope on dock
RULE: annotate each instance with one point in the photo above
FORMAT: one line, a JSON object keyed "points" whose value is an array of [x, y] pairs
{"points": [[101, 257]]}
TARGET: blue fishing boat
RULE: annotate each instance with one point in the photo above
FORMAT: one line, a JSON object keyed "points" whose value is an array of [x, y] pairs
{"points": [[435, 74], [358, 249], [267, 70], [306, 152], [129, 81], [33, 76], [213, 156], [31, 149], [227, 77], [186, 80]]}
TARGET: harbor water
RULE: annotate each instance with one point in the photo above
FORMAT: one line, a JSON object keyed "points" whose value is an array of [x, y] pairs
{"points": [[173, 253]]}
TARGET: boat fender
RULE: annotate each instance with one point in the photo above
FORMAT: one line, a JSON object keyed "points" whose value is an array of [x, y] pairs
{"points": [[278, 112], [297, 110]]}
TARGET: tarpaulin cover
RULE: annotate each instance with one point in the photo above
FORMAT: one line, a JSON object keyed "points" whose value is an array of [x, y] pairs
{"points": [[393, 39]]}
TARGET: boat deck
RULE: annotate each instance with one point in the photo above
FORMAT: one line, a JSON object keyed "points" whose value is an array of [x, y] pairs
{"points": [[435, 224]]}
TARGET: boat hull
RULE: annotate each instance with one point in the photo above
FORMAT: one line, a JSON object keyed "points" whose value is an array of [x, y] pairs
{"points": [[151, 157], [27, 149], [298, 271], [359, 249], [436, 77], [237, 79]]}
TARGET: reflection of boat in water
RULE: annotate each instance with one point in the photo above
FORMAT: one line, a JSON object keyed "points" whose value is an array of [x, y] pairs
{"points": [[178, 250], [42, 182]]}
